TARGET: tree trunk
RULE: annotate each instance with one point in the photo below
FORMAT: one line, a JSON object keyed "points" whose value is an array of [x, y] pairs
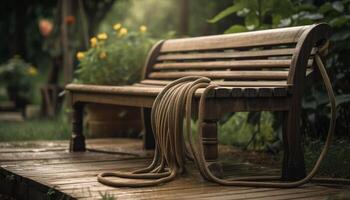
{"points": [[184, 17], [67, 53], [18, 36]]}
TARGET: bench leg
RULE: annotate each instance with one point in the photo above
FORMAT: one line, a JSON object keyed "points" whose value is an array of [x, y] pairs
{"points": [[148, 137], [210, 146], [293, 161], [77, 141]]}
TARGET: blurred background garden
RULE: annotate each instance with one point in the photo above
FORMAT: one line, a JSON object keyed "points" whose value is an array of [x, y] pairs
{"points": [[47, 44]]}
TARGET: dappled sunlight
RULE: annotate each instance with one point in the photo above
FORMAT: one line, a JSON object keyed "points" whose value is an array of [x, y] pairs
{"points": [[91, 90]]}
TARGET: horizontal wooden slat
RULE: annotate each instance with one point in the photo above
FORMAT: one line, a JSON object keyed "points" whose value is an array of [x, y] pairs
{"points": [[237, 75], [114, 94], [122, 90], [146, 85], [248, 39], [235, 64], [223, 55], [226, 83], [132, 90]]}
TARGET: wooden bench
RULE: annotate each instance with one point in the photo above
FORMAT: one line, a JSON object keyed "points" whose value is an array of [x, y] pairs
{"points": [[258, 71]]}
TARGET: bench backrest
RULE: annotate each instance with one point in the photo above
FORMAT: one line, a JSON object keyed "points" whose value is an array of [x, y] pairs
{"points": [[281, 55]]}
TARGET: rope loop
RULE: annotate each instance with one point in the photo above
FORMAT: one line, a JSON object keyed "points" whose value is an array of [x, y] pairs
{"points": [[171, 108]]}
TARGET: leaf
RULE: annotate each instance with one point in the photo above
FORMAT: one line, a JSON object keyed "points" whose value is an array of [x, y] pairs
{"points": [[325, 8], [228, 11], [307, 7], [311, 105], [311, 16], [253, 118], [236, 29], [338, 6], [344, 98], [340, 21], [285, 22], [252, 20]]}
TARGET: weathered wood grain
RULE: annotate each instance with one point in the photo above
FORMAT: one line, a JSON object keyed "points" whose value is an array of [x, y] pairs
{"points": [[249, 39], [73, 176], [257, 71]]}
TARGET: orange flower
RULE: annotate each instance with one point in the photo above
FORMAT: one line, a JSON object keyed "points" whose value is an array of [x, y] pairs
{"points": [[70, 19], [45, 27]]}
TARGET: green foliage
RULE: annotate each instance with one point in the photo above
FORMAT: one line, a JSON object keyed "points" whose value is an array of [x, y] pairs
{"points": [[18, 77], [50, 193], [337, 14], [338, 155], [115, 58], [35, 129], [258, 14], [228, 11], [159, 16], [242, 127], [107, 196]]}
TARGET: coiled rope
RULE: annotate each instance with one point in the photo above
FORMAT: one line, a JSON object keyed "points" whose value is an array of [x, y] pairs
{"points": [[171, 106]]}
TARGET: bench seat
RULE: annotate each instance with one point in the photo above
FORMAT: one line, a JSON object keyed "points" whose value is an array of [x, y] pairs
{"points": [[143, 95], [153, 90], [257, 71]]}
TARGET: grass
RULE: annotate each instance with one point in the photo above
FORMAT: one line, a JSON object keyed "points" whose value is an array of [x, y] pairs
{"points": [[107, 196], [35, 129]]}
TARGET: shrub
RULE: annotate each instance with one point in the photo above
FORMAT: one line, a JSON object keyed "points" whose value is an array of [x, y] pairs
{"points": [[114, 58], [18, 78]]}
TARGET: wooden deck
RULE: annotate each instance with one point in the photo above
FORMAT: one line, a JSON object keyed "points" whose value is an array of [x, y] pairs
{"points": [[46, 170]]}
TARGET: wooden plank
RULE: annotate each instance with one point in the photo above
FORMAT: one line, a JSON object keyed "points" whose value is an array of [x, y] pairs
{"points": [[218, 107], [223, 83], [262, 193], [237, 92], [31, 150], [237, 75], [230, 64], [127, 93], [223, 92], [250, 92], [78, 179], [248, 39], [322, 193], [227, 54], [265, 92], [279, 92], [131, 90]]}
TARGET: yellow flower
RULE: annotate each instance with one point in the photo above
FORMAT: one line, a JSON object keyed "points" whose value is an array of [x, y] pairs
{"points": [[93, 41], [143, 28], [32, 71], [103, 55], [80, 55], [102, 36], [117, 26], [122, 32]]}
